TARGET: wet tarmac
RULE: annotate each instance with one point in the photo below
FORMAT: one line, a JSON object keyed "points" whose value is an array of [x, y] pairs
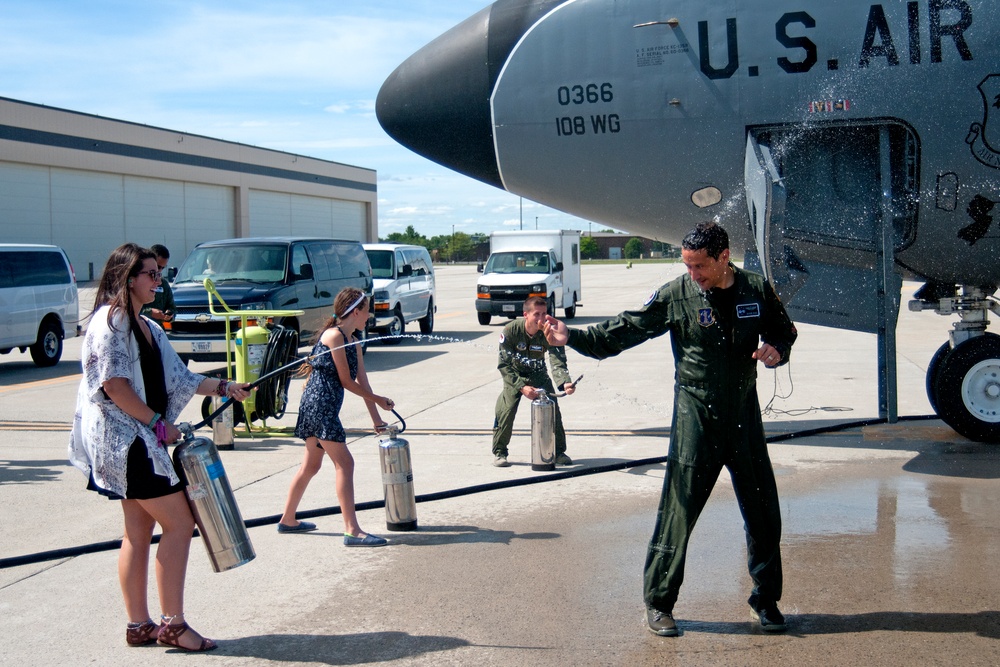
{"points": [[890, 532]]}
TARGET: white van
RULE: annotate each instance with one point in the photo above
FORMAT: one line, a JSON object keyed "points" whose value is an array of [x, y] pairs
{"points": [[38, 300], [403, 277]]}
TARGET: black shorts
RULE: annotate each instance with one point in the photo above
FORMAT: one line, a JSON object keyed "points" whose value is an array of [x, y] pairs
{"points": [[142, 481]]}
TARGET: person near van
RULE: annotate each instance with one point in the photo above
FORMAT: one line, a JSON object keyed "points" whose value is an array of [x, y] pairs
{"points": [[722, 321], [134, 387], [162, 307], [522, 367], [333, 366]]}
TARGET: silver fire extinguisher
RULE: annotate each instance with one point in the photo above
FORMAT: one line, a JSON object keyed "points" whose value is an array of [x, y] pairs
{"points": [[543, 437], [212, 502], [397, 479], [222, 426]]}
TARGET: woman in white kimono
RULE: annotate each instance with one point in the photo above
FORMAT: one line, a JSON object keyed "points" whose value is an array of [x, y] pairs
{"points": [[134, 386]]}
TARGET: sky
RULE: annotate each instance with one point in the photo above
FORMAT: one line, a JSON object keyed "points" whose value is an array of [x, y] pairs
{"points": [[297, 75]]}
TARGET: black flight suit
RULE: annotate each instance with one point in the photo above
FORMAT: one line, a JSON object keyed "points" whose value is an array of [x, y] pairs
{"points": [[716, 420], [522, 363]]}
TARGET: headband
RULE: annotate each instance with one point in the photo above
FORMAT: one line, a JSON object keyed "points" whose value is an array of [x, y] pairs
{"points": [[352, 306]]}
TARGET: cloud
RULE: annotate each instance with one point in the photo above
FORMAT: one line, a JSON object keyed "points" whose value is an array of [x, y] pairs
{"points": [[300, 77]]}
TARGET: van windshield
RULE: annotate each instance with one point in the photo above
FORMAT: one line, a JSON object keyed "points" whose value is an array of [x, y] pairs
{"points": [[518, 262], [251, 263], [381, 261]]}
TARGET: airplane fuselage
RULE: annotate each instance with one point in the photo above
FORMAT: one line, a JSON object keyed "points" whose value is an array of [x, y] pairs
{"points": [[637, 114]]}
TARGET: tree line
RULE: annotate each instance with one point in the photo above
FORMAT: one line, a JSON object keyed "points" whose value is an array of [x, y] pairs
{"points": [[462, 247]]}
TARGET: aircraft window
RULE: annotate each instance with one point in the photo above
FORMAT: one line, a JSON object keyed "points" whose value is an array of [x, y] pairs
{"points": [[706, 197]]}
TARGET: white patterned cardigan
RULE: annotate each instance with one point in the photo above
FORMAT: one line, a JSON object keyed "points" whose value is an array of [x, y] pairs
{"points": [[103, 432]]}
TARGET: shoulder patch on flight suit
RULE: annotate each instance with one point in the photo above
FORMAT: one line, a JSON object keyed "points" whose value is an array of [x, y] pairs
{"points": [[502, 338], [652, 298], [706, 317], [747, 310]]}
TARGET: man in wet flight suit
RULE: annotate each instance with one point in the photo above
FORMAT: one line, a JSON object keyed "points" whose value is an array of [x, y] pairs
{"points": [[722, 321]]}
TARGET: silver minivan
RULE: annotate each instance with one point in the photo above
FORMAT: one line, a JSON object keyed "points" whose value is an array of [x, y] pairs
{"points": [[403, 277], [39, 301]]}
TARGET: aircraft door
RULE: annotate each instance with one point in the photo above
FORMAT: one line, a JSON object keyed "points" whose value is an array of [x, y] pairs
{"points": [[766, 198], [818, 211]]}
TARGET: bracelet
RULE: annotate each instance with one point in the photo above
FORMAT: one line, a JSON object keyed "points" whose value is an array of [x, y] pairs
{"points": [[156, 417], [223, 389]]}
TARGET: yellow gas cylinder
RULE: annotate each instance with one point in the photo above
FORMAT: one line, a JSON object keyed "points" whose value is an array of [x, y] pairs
{"points": [[251, 345]]}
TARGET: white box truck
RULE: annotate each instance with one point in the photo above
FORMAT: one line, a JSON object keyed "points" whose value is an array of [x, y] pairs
{"points": [[533, 263]]}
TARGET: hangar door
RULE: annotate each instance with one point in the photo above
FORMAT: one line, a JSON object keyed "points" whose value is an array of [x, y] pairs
{"points": [[91, 213], [283, 214]]}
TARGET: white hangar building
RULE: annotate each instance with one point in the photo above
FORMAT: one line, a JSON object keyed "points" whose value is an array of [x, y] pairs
{"points": [[88, 184]]}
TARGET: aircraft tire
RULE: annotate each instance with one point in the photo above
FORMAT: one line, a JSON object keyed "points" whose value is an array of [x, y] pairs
{"points": [[968, 389], [934, 372]]}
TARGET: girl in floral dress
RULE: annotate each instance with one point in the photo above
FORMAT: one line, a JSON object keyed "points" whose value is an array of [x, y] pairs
{"points": [[335, 365]]}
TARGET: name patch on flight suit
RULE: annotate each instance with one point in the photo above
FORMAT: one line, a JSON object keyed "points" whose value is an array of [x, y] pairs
{"points": [[537, 348], [747, 310], [706, 317]]}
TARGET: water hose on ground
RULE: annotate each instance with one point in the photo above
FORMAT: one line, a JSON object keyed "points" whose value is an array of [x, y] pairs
{"points": [[109, 545]]}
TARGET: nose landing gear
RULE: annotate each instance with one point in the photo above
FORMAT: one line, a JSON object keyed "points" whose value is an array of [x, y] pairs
{"points": [[967, 388], [963, 377]]}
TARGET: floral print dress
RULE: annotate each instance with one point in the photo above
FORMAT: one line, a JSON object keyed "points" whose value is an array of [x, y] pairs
{"points": [[319, 410]]}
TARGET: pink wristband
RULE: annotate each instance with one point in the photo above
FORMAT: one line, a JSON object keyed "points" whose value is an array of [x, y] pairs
{"points": [[161, 433]]}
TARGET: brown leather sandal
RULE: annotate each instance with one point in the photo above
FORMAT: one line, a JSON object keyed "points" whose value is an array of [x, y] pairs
{"points": [[141, 634], [169, 634]]}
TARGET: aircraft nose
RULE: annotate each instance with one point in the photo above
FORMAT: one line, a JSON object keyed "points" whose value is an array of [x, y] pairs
{"points": [[437, 102]]}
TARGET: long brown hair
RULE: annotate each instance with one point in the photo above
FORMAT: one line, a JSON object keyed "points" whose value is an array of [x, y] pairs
{"points": [[121, 268], [342, 307]]}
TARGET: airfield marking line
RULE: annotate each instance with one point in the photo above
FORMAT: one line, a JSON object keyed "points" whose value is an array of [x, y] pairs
{"points": [[42, 383]]}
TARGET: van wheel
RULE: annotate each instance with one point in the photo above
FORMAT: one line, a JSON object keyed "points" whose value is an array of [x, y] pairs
{"points": [[395, 329], [571, 311], [484, 318], [47, 350], [427, 321]]}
